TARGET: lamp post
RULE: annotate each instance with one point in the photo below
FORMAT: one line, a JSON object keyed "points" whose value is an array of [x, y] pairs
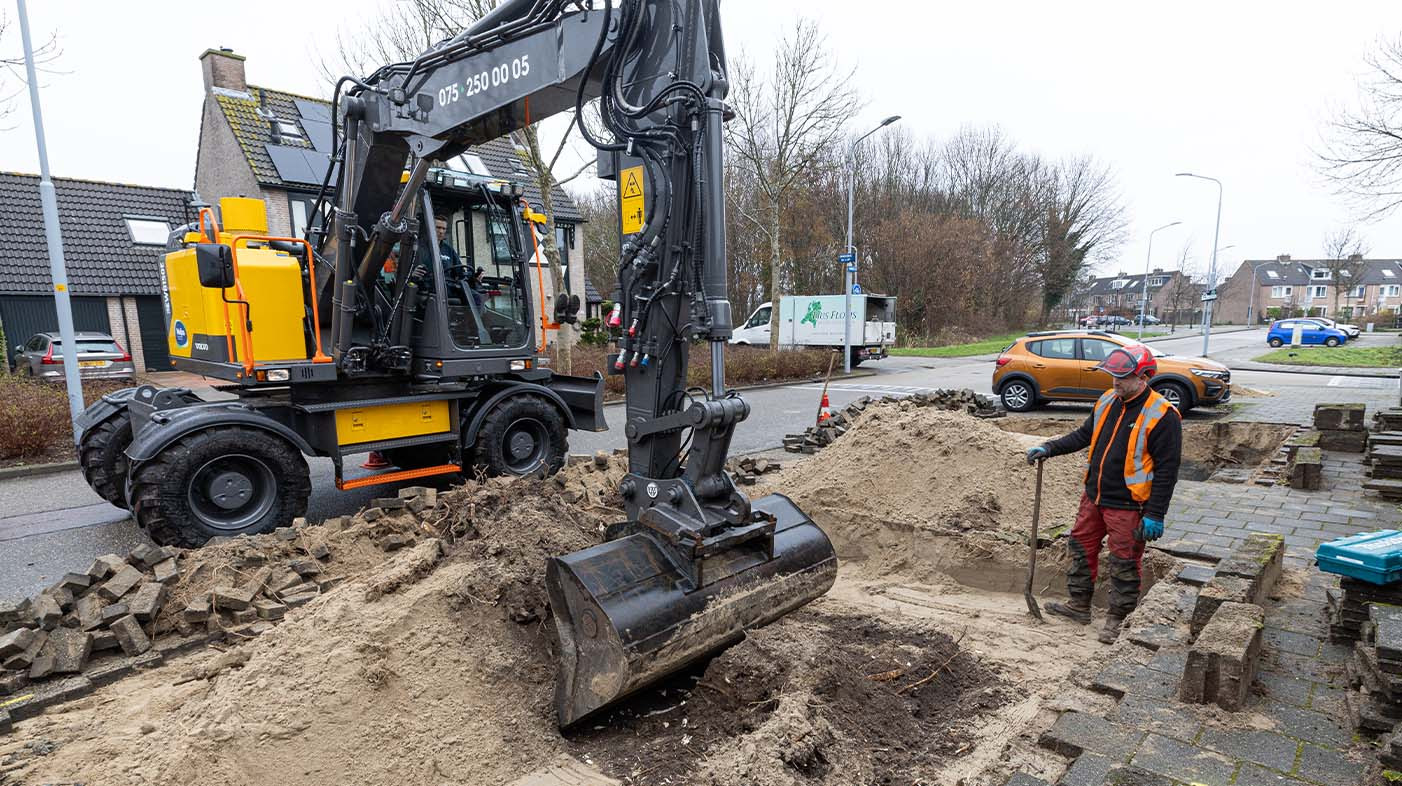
{"points": [[1212, 267], [849, 277], [48, 202], [1255, 285], [1144, 300]]}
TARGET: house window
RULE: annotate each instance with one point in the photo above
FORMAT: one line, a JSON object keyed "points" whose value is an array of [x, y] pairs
{"points": [[148, 231], [564, 235], [1319, 275], [1118, 283], [288, 130], [1389, 273], [1158, 281], [301, 207], [475, 165], [1279, 292], [1356, 292], [1272, 274], [1318, 291], [1391, 290]]}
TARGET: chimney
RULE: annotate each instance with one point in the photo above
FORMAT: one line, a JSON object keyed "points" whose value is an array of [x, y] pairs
{"points": [[1158, 270], [1283, 258], [223, 68]]}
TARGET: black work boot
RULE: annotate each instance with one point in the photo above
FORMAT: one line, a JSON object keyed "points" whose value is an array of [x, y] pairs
{"points": [[1111, 631], [1076, 610]]}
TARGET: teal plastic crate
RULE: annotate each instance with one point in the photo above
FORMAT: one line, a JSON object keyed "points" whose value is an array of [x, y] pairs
{"points": [[1374, 557]]}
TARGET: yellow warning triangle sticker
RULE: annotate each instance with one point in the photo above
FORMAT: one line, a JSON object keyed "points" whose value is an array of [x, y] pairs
{"points": [[632, 188]]}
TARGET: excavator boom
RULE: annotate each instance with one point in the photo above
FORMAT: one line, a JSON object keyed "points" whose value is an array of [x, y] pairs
{"points": [[697, 563]]}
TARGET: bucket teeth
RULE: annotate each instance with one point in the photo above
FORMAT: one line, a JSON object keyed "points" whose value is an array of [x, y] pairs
{"points": [[627, 614]]}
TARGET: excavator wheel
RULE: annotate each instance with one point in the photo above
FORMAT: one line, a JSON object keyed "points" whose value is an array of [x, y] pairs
{"points": [[221, 481], [103, 458], [522, 435]]}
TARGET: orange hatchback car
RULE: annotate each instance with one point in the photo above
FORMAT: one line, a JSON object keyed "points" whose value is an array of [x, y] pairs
{"points": [[1056, 366]]}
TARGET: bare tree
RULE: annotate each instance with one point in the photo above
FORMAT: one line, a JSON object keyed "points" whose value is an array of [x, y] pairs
{"points": [[1083, 218], [405, 30], [1362, 151], [13, 64], [787, 121], [601, 237], [1343, 258], [1182, 292]]}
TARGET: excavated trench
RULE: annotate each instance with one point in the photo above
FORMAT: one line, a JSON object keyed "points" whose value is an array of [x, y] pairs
{"points": [[1227, 452]]}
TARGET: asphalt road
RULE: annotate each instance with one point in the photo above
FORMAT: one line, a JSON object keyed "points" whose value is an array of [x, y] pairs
{"points": [[55, 523]]}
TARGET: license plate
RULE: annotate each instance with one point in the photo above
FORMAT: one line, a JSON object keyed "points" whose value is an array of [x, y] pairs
{"points": [[94, 363]]}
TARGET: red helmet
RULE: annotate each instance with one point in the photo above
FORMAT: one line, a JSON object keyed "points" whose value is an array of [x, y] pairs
{"points": [[1129, 360]]}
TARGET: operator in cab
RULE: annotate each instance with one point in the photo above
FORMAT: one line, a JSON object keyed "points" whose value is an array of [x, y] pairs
{"points": [[1135, 438]]}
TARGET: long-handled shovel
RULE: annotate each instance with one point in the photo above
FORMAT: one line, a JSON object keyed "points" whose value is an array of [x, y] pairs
{"points": [[1032, 552]]}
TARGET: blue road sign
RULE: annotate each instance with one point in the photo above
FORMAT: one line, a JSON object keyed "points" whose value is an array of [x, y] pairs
{"points": [[856, 289], [852, 268], [849, 258]]}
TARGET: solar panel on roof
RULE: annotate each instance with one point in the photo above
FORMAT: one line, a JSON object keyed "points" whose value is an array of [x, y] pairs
{"points": [[319, 133], [313, 110], [298, 164]]}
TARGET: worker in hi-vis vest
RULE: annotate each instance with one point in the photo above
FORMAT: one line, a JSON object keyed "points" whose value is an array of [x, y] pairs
{"points": [[1135, 438]]}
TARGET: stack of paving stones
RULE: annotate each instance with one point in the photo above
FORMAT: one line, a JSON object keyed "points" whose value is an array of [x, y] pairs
{"points": [[815, 438], [1307, 469], [1389, 419], [1385, 463], [1348, 607], [1375, 672], [1341, 427], [1246, 575], [93, 628], [747, 470]]}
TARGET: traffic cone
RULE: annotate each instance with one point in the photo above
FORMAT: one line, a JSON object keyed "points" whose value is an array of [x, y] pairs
{"points": [[824, 410], [375, 460]]}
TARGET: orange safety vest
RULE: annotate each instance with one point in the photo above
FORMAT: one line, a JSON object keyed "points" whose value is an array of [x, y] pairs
{"points": [[1139, 465]]}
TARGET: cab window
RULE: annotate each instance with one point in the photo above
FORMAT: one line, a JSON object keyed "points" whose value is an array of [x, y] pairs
{"points": [[1055, 348], [1096, 349], [761, 317]]}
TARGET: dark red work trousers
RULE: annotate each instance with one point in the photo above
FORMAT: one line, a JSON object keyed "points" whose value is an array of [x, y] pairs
{"points": [[1094, 525]]}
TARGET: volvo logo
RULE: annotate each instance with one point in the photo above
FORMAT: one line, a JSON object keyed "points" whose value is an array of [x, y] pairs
{"points": [[182, 336]]}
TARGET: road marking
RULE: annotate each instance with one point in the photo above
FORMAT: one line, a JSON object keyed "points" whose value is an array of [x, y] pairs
{"points": [[1375, 383]]}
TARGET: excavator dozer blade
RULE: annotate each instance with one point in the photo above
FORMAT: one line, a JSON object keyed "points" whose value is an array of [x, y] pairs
{"points": [[628, 615]]}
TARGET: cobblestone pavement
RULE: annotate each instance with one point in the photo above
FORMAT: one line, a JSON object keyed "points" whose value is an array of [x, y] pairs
{"points": [[1248, 365], [1296, 404]]}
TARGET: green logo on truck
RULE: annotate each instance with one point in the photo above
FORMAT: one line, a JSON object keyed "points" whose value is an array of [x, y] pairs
{"points": [[811, 318]]}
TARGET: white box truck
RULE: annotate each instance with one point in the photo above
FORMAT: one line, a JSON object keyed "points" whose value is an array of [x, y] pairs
{"points": [[815, 321]]}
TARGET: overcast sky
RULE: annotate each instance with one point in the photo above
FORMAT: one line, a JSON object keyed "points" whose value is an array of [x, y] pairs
{"points": [[1239, 91]]}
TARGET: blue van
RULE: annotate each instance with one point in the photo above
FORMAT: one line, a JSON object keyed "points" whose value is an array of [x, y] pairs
{"points": [[1283, 330]]}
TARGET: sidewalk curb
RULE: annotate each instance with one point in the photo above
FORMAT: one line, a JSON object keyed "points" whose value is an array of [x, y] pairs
{"points": [[33, 470], [769, 385], [1318, 371]]}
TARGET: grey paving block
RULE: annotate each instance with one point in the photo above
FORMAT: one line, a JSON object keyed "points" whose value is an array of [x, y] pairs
{"points": [[1023, 779], [1197, 575], [1119, 678], [1288, 641], [1157, 635], [1182, 761], [1285, 688], [1152, 714], [1089, 769], [1169, 660], [1329, 767], [1262, 747], [1256, 775], [1134, 776], [1308, 725], [1077, 732]]}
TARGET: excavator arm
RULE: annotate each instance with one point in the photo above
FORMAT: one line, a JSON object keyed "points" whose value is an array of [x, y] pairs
{"points": [[696, 563]]}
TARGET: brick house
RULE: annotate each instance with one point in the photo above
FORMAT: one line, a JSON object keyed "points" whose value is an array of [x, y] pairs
{"points": [[275, 145], [1306, 287], [114, 236], [1121, 294]]}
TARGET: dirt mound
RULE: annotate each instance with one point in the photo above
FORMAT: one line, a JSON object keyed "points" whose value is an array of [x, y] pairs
{"points": [[906, 474], [820, 697]]}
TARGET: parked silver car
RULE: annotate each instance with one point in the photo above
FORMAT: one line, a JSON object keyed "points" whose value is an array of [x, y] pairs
{"points": [[99, 357]]}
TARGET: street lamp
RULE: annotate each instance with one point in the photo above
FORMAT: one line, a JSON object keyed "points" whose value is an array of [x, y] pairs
{"points": [[1212, 268], [1144, 300], [849, 277], [1255, 285]]}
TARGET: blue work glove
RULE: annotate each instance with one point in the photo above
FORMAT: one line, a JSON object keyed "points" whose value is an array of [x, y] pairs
{"points": [[1037, 454], [1149, 529]]}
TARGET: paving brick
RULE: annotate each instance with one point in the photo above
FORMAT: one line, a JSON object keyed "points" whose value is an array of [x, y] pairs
{"points": [[1076, 732], [1089, 769], [103, 640], [147, 601], [231, 598], [1258, 560], [74, 582], [1156, 715], [15, 642], [1222, 661], [12, 682], [71, 650], [1263, 747], [105, 566], [109, 670], [114, 612], [122, 582], [1256, 775], [1119, 678], [1285, 688], [1308, 725], [1135, 776], [46, 611], [1196, 575], [305, 568], [197, 610], [1182, 761], [48, 694], [269, 609], [1170, 660], [166, 570], [1329, 767], [1156, 635], [130, 637], [1023, 779], [1221, 589]]}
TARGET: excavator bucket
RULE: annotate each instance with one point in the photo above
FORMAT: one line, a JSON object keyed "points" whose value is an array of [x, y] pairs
{"points": [[631, 611]]}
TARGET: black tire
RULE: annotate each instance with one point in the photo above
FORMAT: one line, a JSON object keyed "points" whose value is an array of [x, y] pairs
{"points": [[1275, 342], [1331, 342], [1018, 395], [103, 457], [173, 497], [1176, 394], [856, 357], [522, 435]]}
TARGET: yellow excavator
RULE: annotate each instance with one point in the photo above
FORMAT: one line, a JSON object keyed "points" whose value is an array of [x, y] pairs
{"points": [[431, 359]]}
